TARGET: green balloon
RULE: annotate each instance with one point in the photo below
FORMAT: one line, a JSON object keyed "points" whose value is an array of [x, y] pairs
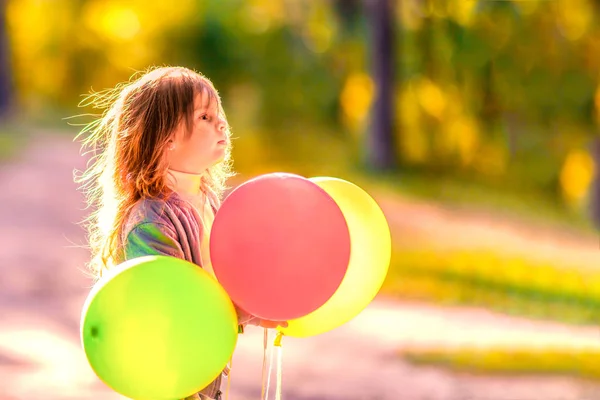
{"points": [[158, 328]]}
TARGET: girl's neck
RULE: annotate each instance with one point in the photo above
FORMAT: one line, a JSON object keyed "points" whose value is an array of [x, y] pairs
{"points": [[185, 183]]}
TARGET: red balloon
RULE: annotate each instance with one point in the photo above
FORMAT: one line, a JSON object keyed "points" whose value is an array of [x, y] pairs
{"points": [[280, 246]]}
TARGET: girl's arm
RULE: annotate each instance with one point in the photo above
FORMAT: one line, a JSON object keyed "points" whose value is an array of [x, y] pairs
{"points": [[152, 238]]}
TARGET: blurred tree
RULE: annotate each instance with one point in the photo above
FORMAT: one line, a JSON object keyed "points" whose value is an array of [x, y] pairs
{"points": [[349, 12], [5, 75], [475, 75], [490, 109], [595, 185], [381, 153]]}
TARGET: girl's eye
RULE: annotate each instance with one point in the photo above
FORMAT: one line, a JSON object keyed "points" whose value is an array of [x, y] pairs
{"points": [[204, 117]]}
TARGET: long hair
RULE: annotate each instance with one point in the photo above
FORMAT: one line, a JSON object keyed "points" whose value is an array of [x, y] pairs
{"points": [[128, 142]]}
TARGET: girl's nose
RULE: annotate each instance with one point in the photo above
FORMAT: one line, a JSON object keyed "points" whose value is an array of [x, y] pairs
{"points": [[222, 125]]}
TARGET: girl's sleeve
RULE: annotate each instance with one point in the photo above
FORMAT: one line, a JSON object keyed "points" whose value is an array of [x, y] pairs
{"points": [[151, 238]]}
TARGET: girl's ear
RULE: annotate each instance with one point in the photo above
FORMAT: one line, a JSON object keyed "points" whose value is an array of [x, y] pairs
{"points": [[177, 136]]}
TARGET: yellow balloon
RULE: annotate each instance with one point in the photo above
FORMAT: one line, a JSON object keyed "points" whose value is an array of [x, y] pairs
{"points": [[370, 253]]}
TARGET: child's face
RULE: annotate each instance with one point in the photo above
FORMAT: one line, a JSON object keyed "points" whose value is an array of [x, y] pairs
{"points": [[207, 143]]}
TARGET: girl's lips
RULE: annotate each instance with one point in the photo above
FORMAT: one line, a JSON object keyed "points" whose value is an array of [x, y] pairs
{"points": [[222, 142]]}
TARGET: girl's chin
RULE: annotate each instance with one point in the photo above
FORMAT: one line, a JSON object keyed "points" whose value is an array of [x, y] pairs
{"points": [[219, 160]]}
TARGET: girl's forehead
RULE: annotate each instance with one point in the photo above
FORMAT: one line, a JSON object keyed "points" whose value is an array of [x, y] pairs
{"points": [[204, 100]]}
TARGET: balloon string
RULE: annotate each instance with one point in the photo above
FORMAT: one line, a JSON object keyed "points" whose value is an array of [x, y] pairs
{"points": [[264, 391], [228, 387], [279, 348], [269, 374], [229, 367]]}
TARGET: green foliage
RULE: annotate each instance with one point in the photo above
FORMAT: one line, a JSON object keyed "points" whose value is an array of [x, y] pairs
{"points": [[465, 71]]}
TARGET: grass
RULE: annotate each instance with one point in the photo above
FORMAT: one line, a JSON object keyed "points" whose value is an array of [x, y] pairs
{"points": [[510, 285], [564, 362]]}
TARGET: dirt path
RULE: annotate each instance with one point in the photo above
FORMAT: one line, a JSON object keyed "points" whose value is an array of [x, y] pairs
{"points": [[42, 290]]}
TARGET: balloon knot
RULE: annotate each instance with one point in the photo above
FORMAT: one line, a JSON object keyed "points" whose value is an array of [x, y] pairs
{"points": [[278, 339]]}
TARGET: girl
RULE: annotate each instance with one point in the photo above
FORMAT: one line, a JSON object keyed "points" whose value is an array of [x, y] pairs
{"points": [[162, 155]]}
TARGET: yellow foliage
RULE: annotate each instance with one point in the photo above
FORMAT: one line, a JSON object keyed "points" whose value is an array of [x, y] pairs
{"points": [[431, 98], [356, 97], [39, 33], [410, 12], [491, 160], [262, 15], [462, 11], [454, 102], [412, 141], [408, 106], [115, 22], [44, 35], [436, 8], [273, 10], [574, 17], [118, 21], [527, 7], [465, 137], [31, 22], [458, 136], [120, 29], [576, 175], [136, 55], [498, 28], [458, 132], [320, 27]]}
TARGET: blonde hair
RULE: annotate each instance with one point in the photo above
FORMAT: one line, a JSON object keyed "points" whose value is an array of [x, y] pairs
{"points": [[128, 141]]}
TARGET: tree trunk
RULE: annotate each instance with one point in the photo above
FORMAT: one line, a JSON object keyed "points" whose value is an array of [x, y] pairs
{"points": [[595, 186], [381, 154], [5, 75]]}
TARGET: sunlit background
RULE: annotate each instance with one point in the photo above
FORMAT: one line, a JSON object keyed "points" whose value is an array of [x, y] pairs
{"points": [[473, 123]]}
